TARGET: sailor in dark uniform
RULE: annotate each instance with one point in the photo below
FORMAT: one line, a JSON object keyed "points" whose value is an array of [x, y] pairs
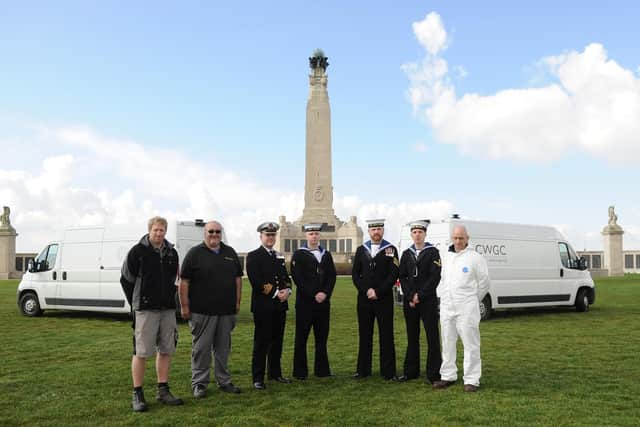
{"points": [[419, 276], [271, 287], [314, 274], [375, 270]]}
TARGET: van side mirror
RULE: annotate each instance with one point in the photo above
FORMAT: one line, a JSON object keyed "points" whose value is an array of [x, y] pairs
{"points": [[38, 266], [582, 263], [31, 267]]}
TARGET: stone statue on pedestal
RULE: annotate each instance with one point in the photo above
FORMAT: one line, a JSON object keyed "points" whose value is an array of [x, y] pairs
{"points": [[613, 218], [612, 225], [5, 222], [612, 244]]}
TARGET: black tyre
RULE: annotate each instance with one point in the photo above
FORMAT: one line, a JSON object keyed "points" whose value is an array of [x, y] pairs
{"points": [[29, 304], [485, 308], [582, 300]]}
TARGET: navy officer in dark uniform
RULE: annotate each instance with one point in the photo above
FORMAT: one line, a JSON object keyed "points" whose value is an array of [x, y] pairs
{"points": [[271, 287], [314, 274], [420, 267], [374, 273]]}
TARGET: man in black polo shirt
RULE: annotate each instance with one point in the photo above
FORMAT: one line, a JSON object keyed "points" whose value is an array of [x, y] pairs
{"points": [[210, 290]]}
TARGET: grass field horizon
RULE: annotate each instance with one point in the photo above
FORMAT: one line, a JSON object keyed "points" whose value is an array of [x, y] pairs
{"points": [[550, 366]]}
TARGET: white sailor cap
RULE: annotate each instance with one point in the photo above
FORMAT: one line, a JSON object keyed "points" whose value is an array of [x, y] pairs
{"points": [[312, 227], [268, 227], [419, 225], [373, 223]]}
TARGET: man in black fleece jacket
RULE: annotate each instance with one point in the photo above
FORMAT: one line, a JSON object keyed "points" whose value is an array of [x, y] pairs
{"points": [[148, 280]]}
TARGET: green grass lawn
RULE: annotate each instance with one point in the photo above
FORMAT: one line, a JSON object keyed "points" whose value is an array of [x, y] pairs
{"points": [[540, 367]]}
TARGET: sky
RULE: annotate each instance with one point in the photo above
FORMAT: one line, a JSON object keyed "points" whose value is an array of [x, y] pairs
{"points": [[114, 111]]}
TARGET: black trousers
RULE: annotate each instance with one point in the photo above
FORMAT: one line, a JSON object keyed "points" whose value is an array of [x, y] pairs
{"points": [[427, 311], [306, 318], [267, 343], [368, 312]]}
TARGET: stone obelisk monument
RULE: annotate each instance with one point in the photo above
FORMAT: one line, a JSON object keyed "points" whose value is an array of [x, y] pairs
{"points": [[318, 187], [341, 238]]}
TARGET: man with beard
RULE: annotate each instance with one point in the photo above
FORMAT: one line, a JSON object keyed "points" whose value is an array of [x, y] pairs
{"points": [[374, 273]]}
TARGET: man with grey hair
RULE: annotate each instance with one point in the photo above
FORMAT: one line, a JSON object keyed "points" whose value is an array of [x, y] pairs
{"points": [[148, 280], [464, 283], [210, 291]]}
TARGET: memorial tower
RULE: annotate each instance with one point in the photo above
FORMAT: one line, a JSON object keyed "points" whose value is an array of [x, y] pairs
{"points": [[341, 238]]}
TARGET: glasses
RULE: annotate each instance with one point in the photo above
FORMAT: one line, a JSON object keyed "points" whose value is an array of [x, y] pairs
{"points": [[214, 231]]}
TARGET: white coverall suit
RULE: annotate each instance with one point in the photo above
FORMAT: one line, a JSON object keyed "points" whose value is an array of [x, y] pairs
{"points": [[464, 283]]}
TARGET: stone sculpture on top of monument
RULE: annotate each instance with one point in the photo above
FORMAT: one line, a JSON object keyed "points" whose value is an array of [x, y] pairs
{"points": [[340, 237], [5, 221], [7, 246], [612, 235]]}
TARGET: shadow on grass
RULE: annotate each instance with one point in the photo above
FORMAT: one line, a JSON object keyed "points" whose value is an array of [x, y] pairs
{"points": [[536, 312], [118, 317]]}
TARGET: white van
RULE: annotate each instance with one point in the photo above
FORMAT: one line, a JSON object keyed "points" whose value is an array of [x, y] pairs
{"points": [[529, 265], [81, 271]]}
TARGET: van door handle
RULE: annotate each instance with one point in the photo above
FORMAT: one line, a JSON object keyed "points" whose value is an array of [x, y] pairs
{"points": [[64, 275], [561, 272], [55, 275]]}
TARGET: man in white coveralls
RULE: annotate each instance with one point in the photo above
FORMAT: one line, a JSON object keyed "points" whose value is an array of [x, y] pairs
{"points": [[464, 283]]}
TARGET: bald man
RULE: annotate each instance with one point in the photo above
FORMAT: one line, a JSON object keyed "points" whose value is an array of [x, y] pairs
{"points": [[464, 283], [210, 290]]}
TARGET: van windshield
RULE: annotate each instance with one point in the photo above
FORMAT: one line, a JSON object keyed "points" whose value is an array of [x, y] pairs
{"points": [[42, 255], [568, 257], [47, 258]]}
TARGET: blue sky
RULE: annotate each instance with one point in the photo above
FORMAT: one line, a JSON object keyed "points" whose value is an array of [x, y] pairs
{"points": [[106, 104]]}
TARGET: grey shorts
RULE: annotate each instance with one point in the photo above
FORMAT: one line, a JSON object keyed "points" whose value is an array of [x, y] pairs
{"points": [[156, 330]]}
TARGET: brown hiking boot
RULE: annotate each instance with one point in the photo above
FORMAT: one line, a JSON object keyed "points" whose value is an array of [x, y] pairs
{"points": [[442, 384], [137, 401], [164, 396]]}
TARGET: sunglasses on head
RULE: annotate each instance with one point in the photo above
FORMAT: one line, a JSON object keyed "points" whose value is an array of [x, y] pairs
{"points": [[214, 231]]}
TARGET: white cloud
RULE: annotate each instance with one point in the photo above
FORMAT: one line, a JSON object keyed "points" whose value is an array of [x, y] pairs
{"points": [[134, 182], [103, 180], [430, 33], [593, 105]]}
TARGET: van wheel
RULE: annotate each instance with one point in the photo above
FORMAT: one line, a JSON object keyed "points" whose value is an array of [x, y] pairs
{"points": [[485, 308], [29, 305], [582, 300]]}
